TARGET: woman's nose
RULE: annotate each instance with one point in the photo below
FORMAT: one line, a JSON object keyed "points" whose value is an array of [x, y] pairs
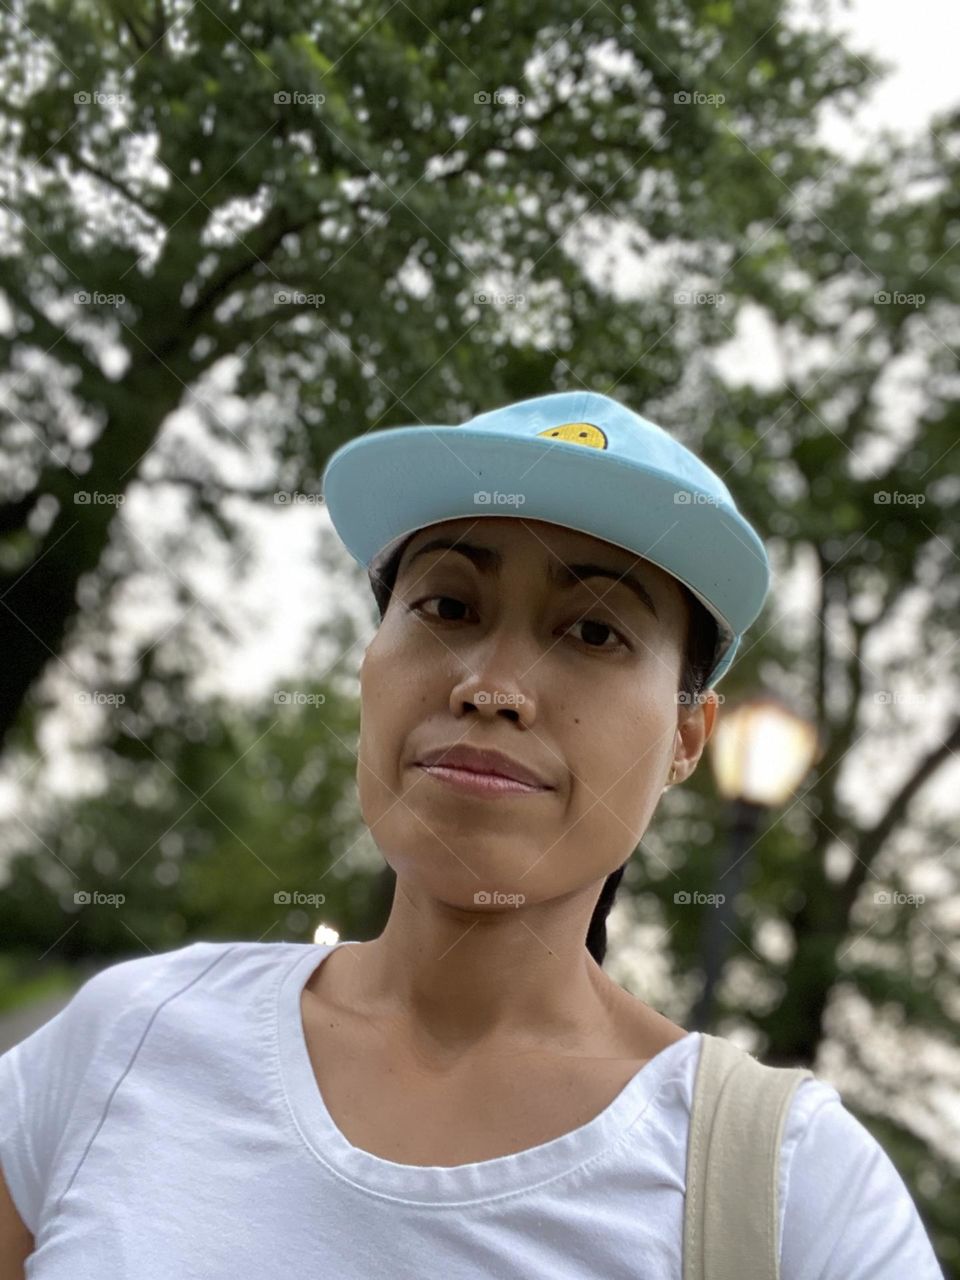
{"points": [[495, 691]]}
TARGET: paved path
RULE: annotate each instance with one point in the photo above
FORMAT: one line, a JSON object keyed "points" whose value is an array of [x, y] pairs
{"points": [[22, 1022]]}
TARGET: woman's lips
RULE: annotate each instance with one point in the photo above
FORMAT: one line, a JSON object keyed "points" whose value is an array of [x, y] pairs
{"points": [[479, 784]]}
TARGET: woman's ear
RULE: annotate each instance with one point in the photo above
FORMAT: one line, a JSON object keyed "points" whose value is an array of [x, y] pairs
{"points": [[694, 727]]}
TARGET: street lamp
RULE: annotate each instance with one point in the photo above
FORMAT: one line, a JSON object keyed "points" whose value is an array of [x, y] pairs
{"points": [[760, 751]]}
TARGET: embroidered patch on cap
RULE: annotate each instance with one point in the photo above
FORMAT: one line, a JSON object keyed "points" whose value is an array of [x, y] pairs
{"points": [[577, 433]]}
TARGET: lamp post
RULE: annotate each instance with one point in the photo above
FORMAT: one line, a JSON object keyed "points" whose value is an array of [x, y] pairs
{"points": [[760, 751]]}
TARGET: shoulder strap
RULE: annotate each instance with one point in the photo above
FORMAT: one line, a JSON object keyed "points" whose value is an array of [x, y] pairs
{"points": [[731, 1214]]}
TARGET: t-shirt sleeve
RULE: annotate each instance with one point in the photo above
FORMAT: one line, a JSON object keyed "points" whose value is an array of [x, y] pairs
{"points": [[42, 1077], [848, 1214]]}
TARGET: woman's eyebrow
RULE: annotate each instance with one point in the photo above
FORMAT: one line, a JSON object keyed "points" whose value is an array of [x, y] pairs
{"points": [[567, 575], [485, 558], [488, 561]]}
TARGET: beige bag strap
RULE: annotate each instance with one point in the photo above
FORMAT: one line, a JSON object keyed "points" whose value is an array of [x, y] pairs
{"points": [[731, 1214]]}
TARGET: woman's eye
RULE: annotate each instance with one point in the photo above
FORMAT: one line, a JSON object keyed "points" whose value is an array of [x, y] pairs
{"points": [[443, 600], [593, 635], [596, 634]]}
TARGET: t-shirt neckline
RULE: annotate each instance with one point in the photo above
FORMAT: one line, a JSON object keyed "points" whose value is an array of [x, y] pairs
{"points": [[441, 1184]]}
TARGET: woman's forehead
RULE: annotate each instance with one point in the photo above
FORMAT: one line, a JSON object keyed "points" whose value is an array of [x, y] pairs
{"points": [[515, 535]]}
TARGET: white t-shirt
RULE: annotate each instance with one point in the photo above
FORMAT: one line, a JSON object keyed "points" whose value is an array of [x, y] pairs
{"points": [[167, 1123]]}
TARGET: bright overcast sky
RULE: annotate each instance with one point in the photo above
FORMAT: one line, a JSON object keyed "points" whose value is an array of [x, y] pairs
{"points": [[920, 41]]}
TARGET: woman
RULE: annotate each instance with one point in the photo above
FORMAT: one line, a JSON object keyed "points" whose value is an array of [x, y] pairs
{"points": [[561, 585]]}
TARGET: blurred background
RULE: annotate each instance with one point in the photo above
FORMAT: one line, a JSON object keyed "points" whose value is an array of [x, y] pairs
{"points": [[233, 235]]}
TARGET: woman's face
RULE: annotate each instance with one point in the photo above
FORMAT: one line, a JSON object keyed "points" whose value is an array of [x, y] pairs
{"points": [[495, 644]]}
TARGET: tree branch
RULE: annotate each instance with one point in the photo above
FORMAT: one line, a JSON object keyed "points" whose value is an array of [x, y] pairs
{"points": [[820, 665], [53, 336], [856, 678], [110, 181], [872, 840], [243, 261], [159, 20], [204, 486], [14, 515]]}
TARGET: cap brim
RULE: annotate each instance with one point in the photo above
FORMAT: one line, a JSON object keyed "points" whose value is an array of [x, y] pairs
{"points": [[387, 484]]}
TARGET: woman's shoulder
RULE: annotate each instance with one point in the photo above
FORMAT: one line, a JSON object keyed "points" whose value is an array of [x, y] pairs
{"points": [[639, 1030], [115, 1004], [126, 978], [57, 1082], [845, 1208], [144, 975]]}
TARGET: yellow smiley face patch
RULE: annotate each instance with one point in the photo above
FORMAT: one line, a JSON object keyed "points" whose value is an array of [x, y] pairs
{"points": [[577, 433]]}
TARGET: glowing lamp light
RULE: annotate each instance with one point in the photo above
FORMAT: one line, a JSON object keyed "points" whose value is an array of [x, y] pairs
{"points": [[761, 750]]}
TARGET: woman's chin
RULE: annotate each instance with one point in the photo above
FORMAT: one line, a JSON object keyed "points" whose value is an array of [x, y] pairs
{"points": [[471, 873]]}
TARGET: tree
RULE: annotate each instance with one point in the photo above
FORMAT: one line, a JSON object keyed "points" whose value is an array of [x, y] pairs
{"points": [[311, 201], [213, 822]]}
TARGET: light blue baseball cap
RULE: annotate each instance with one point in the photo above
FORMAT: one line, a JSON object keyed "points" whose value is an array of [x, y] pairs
{"points": [[575, 458]]}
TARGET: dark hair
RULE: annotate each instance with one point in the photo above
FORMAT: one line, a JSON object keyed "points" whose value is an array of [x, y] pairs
{"points": [[698, 660]]}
